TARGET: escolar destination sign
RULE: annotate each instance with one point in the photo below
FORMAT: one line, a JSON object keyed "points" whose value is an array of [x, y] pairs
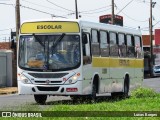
{"points": [[49, 27]]}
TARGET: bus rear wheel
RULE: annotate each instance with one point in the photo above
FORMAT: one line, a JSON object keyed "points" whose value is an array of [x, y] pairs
{"points": [[40, 99], [126, 90], [125, 93]]}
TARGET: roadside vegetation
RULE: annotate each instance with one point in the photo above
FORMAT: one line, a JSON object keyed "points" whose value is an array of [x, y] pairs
{"points": [[141, 99]]}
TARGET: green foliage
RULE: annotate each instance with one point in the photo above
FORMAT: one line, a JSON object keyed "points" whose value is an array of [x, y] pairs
{"points": [[144, 93], [142, 99]]}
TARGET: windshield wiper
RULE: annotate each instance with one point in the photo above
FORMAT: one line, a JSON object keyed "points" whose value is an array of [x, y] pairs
{"points": [[58, 40], [38, 40]]}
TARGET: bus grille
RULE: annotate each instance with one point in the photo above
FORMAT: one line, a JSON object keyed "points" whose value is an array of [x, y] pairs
{"points": [[44, 82], [47, 75], [48, 88]]}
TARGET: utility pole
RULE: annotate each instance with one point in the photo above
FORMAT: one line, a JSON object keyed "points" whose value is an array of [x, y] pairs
{"points": [[113, 16], [150, 31], [17, 11], [152, 4], [76, 9]]}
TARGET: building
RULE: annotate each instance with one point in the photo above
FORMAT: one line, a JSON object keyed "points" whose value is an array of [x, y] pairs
{"points": [[118, 20], [5, 46], [155, 52]]}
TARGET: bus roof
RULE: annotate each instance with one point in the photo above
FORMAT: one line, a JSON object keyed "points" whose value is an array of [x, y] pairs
{"points": [[109, 27], [92, 25]]}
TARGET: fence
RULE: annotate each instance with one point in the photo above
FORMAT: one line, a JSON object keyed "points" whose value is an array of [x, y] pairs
{"points": [[6, 68]]}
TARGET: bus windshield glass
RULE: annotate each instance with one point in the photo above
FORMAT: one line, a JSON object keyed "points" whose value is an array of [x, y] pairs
{"points": [[49, 52]]}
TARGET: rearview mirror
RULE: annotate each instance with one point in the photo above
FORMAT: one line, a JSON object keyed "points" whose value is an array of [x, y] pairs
{"points": [[84, 38]]}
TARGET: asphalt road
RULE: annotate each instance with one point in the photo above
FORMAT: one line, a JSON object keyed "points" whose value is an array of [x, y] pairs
{"points": [[153, 83], [26, 102]]}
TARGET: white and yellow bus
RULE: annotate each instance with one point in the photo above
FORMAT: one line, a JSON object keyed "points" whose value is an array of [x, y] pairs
{"points": [[78, 58]]}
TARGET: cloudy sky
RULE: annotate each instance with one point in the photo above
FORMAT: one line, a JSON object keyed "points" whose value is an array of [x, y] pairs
{"points": [[135, 12]]}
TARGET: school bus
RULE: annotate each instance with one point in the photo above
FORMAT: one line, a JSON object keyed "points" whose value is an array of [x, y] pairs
{"points": [[78, 59]]}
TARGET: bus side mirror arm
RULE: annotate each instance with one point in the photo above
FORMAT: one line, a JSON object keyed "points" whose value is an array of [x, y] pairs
{"points": [[84, 38]]}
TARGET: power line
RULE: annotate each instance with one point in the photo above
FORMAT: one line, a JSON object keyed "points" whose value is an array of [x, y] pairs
{"points": [[86, 13], [4, 34], [96, 9], [156, 23], [7, 4], [59, 6], [147, 28], [41, 11], [7, 29], [125, 7], [42, 6], [33, 9], [95, 12], [143, 1], [133, 18]]}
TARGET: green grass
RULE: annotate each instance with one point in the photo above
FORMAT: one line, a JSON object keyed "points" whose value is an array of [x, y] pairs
{"points": [[142, 99]]}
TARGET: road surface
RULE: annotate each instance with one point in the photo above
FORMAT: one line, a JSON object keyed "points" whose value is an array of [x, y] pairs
{"points": [[19, 102], [153, 83]]}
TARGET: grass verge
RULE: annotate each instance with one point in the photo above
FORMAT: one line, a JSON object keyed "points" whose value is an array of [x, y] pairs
{"points": [[141, 100]]}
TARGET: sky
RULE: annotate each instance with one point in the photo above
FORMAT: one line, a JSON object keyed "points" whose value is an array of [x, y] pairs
{"points": [[135, 12]]}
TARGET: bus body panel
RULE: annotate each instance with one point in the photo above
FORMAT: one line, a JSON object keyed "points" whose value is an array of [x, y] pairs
{"points": [[110, 70]]}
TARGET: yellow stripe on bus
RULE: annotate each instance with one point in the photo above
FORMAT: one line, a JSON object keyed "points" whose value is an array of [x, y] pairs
{"points": [[117, 62]]}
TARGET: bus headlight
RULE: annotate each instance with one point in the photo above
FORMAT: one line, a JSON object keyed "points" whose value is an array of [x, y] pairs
{"points": [[74, 78], [24, 79]]}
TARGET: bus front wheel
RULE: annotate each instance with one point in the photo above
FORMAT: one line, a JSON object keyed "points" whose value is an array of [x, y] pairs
{"points": [[93, 95], [40, 99]]}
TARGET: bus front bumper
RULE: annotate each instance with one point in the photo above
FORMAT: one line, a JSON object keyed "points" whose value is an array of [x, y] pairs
{"points": [[32, 89]]}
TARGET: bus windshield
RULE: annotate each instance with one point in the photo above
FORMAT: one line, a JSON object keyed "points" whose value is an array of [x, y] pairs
{"points": [[49, 52]]}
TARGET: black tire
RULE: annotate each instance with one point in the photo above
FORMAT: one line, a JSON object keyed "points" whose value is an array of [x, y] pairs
{"points": [[40, 99], [126, 90], [75, 98], [125, 93], [78, 99], [93, 94], [116, 94]]}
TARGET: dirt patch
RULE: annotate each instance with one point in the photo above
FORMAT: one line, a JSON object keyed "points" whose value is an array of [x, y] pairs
{"points": [[8, 90]]}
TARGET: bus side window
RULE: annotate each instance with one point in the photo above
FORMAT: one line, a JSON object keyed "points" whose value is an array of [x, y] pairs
{"points": [[130, 46], [122, 45], [138, 47], [95, 43], [113, 44], [104, 44], [86, 49]]}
